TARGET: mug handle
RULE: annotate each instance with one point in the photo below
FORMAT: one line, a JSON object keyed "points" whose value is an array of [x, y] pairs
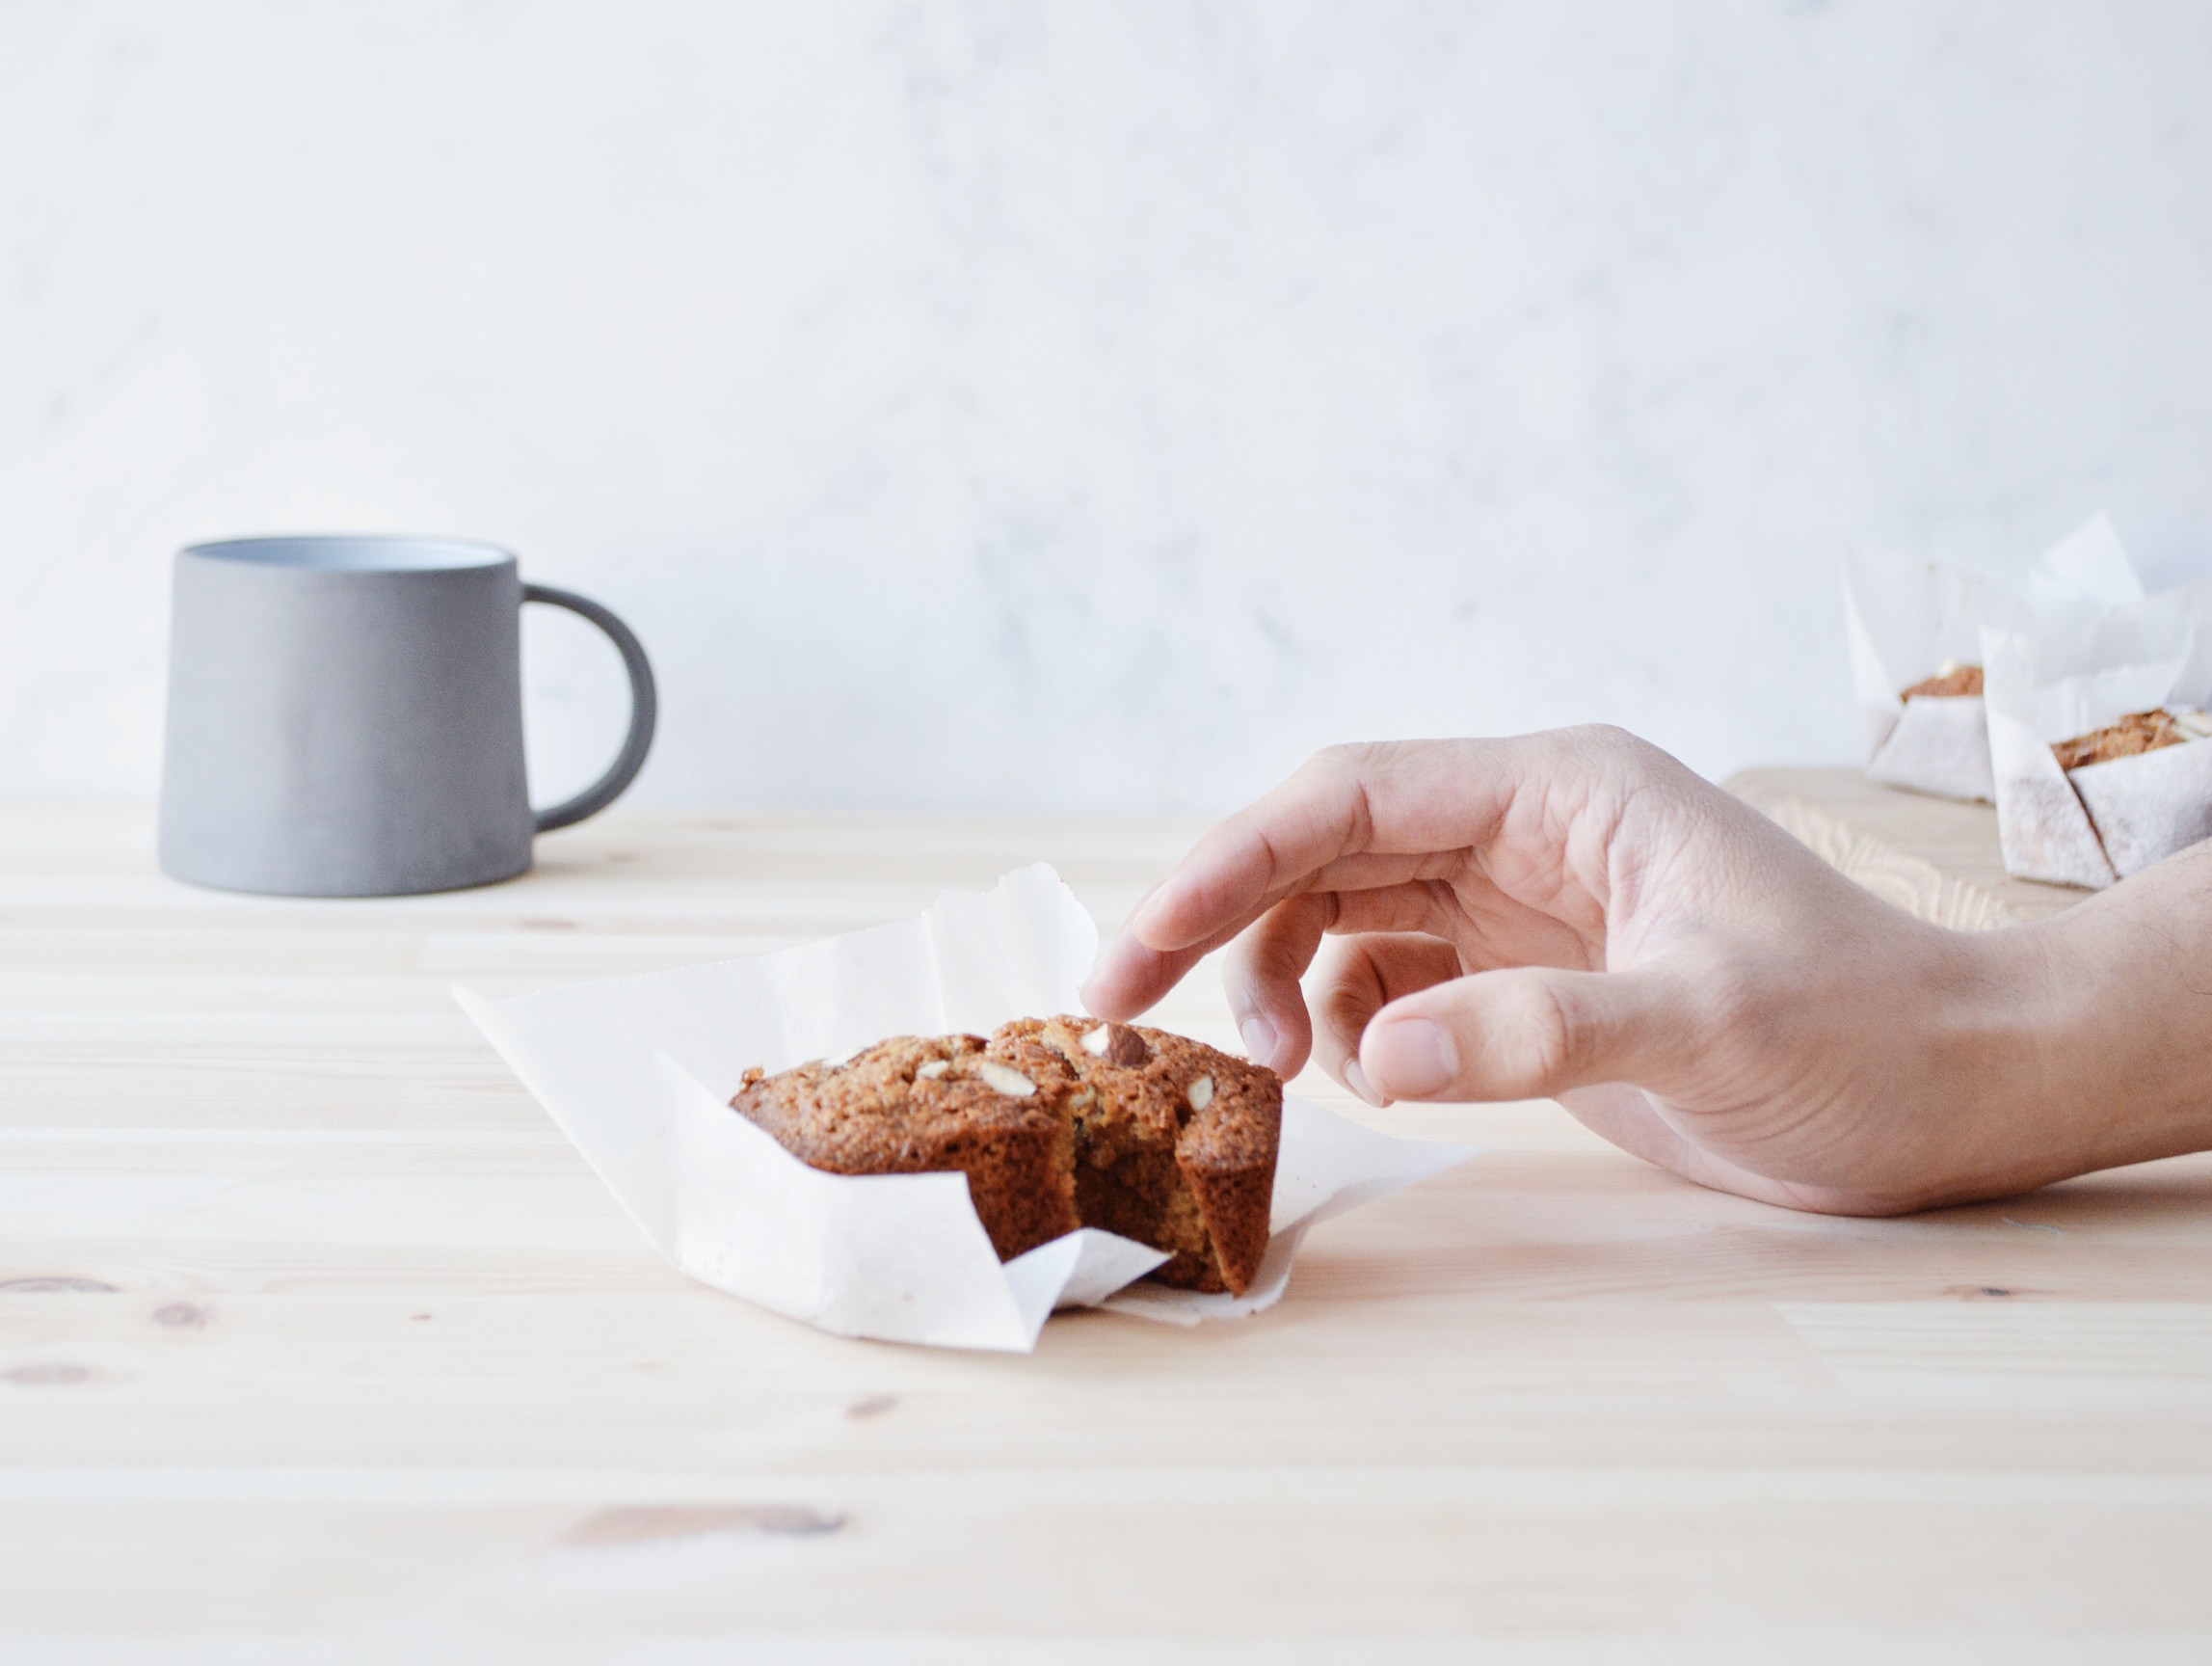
{"points": [[644, 709]]}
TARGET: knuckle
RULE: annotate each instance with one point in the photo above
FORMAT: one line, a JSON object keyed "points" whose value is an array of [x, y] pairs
{"points": [[1551, 1036], [1734, 1004], [1350, 754], [1530, 1040], [1346, 1005], [1610, 740], [1606, 734], [1350, 993], [1335, 763], [1351, 765]]}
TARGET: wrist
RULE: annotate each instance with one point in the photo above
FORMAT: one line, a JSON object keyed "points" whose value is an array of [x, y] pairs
{"points": [[2084, 1049]]}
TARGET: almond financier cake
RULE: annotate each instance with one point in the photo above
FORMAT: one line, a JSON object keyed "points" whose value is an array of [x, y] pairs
{"points": [[2137, 732], [1951, 681], [1056, 1123]]}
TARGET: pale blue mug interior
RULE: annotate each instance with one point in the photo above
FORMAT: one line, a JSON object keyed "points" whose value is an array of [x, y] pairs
{"points": [[355, 553]]}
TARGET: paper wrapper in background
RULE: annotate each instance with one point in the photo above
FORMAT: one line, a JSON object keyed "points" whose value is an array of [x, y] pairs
{"points": [[1905, 618], [2049, 682], [639, 1072]]}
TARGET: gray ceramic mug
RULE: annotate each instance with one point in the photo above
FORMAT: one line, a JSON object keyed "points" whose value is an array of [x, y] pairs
{"points": [[345, 717]]}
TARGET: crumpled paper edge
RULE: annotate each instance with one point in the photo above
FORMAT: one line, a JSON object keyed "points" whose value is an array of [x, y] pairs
{"points": [[2043, 831], [2097, 824], [1938, 744], [1903, 618], [2148, 807], [655, 1134]]}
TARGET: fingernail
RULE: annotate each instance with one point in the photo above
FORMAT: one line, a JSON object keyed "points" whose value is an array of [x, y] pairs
{"points": [[1356, 1080], [1413, 1056], [1097, 975], [1260, 1039]]}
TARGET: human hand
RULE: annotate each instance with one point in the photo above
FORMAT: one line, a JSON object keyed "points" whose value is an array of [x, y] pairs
{"points": [[1577, 915]]}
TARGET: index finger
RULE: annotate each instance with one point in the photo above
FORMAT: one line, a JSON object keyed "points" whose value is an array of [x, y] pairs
{"points": [[1403, 799], [1397, 798]]}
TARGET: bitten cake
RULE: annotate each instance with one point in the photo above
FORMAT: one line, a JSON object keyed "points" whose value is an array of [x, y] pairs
{"points": [[1056, 1123], [1174, 1141]]}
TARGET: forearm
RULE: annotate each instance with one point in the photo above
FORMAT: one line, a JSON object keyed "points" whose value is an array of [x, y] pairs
{"points": [[2109, 1035]]}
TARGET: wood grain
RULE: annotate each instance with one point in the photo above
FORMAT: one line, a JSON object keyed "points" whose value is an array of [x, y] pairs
{"points": [[317, 1342], [1933, 857]]}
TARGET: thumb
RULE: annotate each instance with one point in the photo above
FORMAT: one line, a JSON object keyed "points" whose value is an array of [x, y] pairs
{"points": [[1529, 1032]]}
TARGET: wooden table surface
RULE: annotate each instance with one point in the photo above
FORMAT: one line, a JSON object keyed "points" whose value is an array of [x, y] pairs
{"points": [[1929, 856], [318, 1342]]}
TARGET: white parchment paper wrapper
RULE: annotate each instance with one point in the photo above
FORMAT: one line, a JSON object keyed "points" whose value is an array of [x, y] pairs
{"points": [[639, 1072], [2103, 821], [1905, 618]]}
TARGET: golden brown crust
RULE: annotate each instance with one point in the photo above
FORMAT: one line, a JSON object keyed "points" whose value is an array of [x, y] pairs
{"points": [[885, 1112], [1959, 680], [1140, 1132], [2137, 732]]}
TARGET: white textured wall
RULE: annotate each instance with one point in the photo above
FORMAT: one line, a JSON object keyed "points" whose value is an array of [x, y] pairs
{"points": [[1094, 405]]}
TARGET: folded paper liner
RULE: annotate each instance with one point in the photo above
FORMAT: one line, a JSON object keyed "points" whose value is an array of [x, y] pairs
{"points": [[2100, 822], [1902, 620], [1905, 619], [638, 1073]]}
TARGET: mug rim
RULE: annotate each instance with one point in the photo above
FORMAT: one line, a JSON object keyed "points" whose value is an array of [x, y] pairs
{"points": [[354, 553]]}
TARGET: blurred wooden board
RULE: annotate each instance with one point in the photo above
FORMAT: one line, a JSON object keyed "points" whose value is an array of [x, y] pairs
{"points": [[318, 1342], [1933, 857]]}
